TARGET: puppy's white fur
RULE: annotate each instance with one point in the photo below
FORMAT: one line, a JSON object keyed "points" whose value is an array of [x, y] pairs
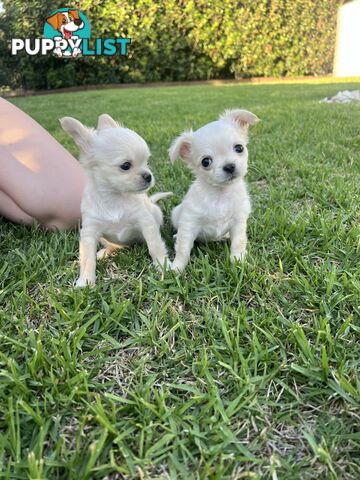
{"points": [[217, 205], [115, 206]]}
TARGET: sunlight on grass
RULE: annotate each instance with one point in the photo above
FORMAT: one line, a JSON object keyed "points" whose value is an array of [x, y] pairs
{"points": [[229, 371]]}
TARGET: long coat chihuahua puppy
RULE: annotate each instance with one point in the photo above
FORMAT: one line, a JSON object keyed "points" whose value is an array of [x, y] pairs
{"points": [[114, 204], [217, 204]]}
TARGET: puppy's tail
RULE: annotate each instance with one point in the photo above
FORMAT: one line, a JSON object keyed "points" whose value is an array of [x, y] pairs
{"points": [[159, 196]]}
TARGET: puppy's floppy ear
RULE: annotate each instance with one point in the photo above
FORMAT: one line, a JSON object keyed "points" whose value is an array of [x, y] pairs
{"points": [[181, 147], [83, 136], [242, 118], [105, 121], [54, 20]]}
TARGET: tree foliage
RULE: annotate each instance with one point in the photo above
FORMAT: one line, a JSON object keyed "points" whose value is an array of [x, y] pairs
{"points": [[177, 40]]}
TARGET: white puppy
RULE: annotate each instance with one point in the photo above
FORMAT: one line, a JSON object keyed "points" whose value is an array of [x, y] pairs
{"points": [[217, 204], [114, 205]]}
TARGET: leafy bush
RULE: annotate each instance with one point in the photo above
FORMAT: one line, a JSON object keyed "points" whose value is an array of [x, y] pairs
{"points": [[177, 40]]}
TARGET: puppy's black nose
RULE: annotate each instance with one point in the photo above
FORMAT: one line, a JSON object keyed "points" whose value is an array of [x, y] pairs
{"points": [[229, 168], [78, 22], [147, 177]]}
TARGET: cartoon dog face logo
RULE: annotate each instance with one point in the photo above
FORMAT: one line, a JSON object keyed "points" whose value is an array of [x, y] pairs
{"points": [[67, 23]]}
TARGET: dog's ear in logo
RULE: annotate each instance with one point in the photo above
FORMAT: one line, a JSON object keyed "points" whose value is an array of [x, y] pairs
{"points": [[55, 21], [75, 14]]}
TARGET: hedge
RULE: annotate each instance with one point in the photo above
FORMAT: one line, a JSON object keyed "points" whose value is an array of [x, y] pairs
{"points": [[177, 40]]}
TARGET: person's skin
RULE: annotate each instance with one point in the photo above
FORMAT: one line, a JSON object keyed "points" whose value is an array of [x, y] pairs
{"points": [[39, 180]]}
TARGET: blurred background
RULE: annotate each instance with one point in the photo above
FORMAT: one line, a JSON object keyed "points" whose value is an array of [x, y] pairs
{"points": [[180, 40]]}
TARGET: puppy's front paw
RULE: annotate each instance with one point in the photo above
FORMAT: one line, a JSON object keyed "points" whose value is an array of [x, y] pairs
{"points": [[177, 266], [238, 256], [82, 282]]}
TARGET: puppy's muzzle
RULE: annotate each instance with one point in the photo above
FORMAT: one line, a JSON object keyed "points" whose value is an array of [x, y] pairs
{"points": [[229, 168], [147, 177]]}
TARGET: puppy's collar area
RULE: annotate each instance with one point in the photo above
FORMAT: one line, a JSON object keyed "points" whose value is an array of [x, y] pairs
{"points": [[225, 184]]}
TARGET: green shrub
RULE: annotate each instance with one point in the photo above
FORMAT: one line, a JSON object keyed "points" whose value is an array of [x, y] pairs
{"points": [[177, 40]]}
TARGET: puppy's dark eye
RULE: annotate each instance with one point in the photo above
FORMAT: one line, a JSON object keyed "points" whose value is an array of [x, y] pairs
{"points": [[206, 162], [239, 148], [125, 166], [64, 20]]}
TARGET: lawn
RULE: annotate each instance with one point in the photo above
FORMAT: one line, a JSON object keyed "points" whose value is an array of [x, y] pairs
{"points": [[225, 372]]}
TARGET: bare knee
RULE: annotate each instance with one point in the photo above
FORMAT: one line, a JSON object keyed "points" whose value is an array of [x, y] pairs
{"points": [[10, 210]]}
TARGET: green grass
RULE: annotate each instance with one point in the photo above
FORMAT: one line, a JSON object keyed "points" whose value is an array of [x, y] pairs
{"points": [[226, 372]]}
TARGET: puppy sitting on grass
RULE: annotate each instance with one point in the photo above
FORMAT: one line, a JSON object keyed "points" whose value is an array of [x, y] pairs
{"points": [[217, 204], [115, 207]]}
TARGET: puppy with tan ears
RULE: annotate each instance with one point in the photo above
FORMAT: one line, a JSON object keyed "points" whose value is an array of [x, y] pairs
{"points": [[217, 205], [115, 208]]}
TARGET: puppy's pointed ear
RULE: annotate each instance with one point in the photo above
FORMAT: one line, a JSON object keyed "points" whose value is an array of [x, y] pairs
{"points": [[181, 147], [242, 118], [83, 136], [105, 121]]}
